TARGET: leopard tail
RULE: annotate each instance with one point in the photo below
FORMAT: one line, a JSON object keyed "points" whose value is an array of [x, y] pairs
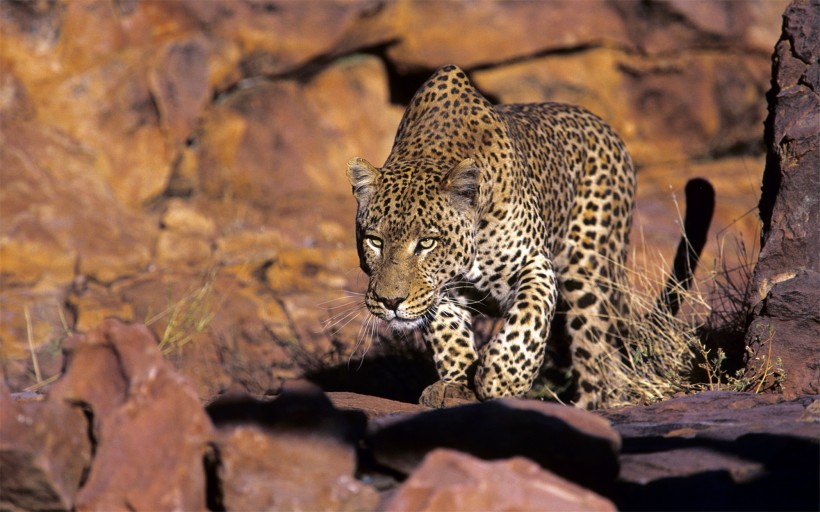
{"points": [[700, 206]]}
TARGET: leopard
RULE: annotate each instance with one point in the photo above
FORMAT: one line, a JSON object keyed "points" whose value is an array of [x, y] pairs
{"points": [[521, 209]]}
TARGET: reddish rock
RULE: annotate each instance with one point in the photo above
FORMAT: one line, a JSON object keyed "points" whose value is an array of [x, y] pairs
{"points": [[372, 406], [296, 452], [509, 30], [260, 143], [278, 37], [45, 453], [786, 287], [572, 443], [225, 331], [702, 105], [47, 234], [661, 27], [38, 316], [150, 431], [449, 480], [178, 81]]}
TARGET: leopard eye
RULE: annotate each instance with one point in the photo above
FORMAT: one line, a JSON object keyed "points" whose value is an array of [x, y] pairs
{"points": [[425, 244], [375, 243]]}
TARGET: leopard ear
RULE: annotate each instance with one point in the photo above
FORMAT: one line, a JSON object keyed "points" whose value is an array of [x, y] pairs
{"points": [[462, 182], [363, 177]]}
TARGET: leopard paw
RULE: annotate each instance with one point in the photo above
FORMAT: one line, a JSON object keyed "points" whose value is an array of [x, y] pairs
{"points": [[445, 394]]}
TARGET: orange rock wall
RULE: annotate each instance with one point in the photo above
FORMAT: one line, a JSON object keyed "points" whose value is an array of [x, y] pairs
{"points": [[182, 163]]}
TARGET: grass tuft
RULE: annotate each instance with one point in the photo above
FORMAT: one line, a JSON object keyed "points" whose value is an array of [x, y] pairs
{"points": [[187, 316]]}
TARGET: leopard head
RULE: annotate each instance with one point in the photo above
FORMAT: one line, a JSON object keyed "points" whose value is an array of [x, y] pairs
{"points": [[415, 233]]}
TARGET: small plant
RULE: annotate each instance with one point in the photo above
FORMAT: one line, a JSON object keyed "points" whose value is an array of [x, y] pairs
{"points": [[713, 367], [760, 374], [188, 316]]}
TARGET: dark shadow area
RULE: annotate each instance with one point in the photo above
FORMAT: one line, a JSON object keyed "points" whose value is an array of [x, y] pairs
{"points": [[790, 480], [771, 172], [395, 377], [404, 83], [495, 431], [214, 499], [292, 411]]}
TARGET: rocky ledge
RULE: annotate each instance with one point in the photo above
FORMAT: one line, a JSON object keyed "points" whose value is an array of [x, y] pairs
{"points": [[122, 429]]}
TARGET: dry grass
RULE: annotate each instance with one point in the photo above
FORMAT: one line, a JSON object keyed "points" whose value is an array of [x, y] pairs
{"points": [[656, 359], [187, 316], [702, 347]]}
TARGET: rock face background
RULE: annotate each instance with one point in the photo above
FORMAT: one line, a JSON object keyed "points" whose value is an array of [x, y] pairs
{"points": [[182, 163], [786, 289]]}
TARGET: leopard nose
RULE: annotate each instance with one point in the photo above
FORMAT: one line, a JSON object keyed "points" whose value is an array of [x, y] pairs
{"points": [[392, 303]]}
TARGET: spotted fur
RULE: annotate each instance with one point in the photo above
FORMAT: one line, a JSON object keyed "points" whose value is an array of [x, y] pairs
{"points": [[516, 205]]}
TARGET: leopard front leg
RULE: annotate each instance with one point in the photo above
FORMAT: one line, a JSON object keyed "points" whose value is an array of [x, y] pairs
{"points": [[510, 361], [449, 334]]}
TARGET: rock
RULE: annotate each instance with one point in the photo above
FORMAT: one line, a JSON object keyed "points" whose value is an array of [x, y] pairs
{"points": [[719, 450], [786, 288], [661, 27], [572, 443], [215, 330], [44, 172], [178, 81], [704, 105], [279, 37], [259, 144], [180, 251], [429, 45], [296, 452], [450, 480], [45, 453], [151, 434], [184, 218], [372, 406], [219, 329], [33, 324]]}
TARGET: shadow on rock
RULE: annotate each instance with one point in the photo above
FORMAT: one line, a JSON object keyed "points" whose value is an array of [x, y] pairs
{"points": [[396, 377], [296, 452], [574, 444], [753, 472]]}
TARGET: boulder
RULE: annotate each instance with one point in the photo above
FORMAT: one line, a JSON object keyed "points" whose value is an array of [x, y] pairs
{"points": [[703, 104], [786, 289], [33, 324], [424, 44], [450, 480], [260, 143], [296, 452], [48, 233], [45, 453], [149, 431]]}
